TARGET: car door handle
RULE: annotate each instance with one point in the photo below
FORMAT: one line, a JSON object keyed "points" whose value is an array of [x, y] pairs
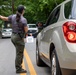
{"points": [[52, 27], [45, 31]]}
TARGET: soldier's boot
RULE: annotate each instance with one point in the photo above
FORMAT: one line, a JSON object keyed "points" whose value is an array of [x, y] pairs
{"points": [[21, 71]]}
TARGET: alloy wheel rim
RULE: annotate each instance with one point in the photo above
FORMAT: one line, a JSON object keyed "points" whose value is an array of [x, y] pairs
{"points": [[53, 65]]}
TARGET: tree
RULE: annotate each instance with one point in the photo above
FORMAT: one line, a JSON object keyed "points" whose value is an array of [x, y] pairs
{"points": [[36, 10]]}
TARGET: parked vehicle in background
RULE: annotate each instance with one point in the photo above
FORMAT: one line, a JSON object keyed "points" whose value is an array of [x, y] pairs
{"points": [[6, 32], [32, 29], [56, 43]]}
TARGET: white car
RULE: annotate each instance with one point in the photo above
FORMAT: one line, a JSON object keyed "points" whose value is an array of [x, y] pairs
{"points": [[6, 32], [32, 29], [56, 43]]}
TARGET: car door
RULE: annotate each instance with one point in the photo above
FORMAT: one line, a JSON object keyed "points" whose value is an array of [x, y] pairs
{"points": [[47, 32]]}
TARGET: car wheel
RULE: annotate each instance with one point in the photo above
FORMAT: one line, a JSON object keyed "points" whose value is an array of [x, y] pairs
{"points": [[0, 36], [55, 69], [39, 62]]}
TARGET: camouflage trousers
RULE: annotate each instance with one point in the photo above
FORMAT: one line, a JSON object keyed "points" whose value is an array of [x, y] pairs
{"points": [[19, 45]]}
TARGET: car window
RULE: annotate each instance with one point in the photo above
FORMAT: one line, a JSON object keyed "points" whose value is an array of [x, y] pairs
{"points": [[67, 9], [73, 11], [54, 16], [3, 30], [70, 10], [32, 26]]}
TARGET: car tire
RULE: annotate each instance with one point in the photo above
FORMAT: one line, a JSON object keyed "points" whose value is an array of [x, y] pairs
{"points": [[0, 36], [55, 68], [39, 62]]}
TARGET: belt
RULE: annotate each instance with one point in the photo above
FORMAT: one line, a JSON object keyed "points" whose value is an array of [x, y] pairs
{"points": [[21, 36], [15, 33]]}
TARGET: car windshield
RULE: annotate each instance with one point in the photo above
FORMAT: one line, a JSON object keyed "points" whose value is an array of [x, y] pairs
{"points": [[7, 30], [32, 26]]}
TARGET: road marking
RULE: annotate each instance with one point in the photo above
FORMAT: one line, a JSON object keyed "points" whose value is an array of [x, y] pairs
{"points": [[30, 65], [23, 66]]}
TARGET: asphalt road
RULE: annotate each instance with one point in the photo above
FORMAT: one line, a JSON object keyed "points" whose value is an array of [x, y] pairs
{"points": [[7, 58]]}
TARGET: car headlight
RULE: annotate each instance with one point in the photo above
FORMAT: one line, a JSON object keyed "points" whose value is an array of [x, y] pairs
{"points": [[3, 34]]}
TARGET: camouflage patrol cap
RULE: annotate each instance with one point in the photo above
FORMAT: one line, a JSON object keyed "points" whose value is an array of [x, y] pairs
{"points": [[20, 8]]}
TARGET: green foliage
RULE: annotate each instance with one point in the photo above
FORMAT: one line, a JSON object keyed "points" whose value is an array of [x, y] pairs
{"points": [[36, 10]]}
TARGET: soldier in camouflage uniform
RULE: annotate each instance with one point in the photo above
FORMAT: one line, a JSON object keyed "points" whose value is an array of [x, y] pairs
{"points": [[40, 26], [19, 27]]}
